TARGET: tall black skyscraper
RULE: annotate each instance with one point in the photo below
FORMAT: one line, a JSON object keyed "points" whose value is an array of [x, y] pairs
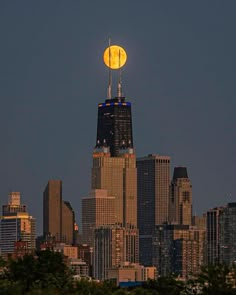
{"points": [[153, 179], [115, 124]]}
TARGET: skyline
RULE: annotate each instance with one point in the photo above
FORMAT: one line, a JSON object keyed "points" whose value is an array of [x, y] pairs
{"points": [[52, 78]]}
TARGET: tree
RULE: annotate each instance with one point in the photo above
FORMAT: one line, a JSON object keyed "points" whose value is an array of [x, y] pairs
{"points": [[22, 272], [214, 279], [46, 272]]}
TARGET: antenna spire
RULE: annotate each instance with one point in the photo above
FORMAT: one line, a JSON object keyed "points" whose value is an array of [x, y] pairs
{"points": [[119, 90], [110, 77], [114, 58]]}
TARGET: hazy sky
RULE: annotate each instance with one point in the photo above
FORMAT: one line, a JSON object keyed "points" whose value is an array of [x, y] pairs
{"points": [[180, 78]]}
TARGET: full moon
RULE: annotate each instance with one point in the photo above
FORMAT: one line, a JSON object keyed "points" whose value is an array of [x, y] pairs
{"points": [[114, 57]]}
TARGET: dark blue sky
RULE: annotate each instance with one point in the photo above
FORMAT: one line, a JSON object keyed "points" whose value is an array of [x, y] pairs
{"points": [[180, 78]]}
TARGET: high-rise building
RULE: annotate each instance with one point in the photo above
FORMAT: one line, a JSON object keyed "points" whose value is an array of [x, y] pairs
{"points": [[227, 234], [85, 253], [114, 125], [52, 209], [114, 170], [200, 221], [153, 179], [58, 215], [117, 175], [180, 204], [13, 205], [178, 249], [98, 209], [114, 246], [16, 225], [213, 247], [68, 222]]}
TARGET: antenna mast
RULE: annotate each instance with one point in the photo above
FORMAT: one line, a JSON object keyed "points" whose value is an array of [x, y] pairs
{"points": [[119, 90], [110, 77]]}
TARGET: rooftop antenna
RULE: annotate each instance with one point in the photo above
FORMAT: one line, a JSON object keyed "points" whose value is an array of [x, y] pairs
{"points": [[119, 90], [110, 77]]}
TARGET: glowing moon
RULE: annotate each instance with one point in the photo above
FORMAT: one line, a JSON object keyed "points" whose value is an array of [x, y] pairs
{"points": [[114, 57]]}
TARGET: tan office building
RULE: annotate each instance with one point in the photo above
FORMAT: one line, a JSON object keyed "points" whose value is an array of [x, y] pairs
{"points": [[98, 209], [118, 175], [58, 215], [180, 204], [68, 221], [131, 272]]}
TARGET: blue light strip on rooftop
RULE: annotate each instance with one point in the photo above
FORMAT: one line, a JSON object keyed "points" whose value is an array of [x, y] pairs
{"points": [[114, 104]]}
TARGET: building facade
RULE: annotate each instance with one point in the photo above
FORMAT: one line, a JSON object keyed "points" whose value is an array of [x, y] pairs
{"points": [[98, 209], [16, 225], [68, 223], [117, 175], [227, 234], [153, 179], [114, 245], [131, 273], [114, 124], [58, 215], [178, 249], [180, 204], [52, 209], [213, 247]]}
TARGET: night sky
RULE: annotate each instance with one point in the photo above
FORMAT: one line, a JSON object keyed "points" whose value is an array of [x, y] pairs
{"points": [[180, 78]]}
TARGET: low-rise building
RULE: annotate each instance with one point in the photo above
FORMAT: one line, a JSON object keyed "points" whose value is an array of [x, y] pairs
{"points": [[131, 272]]}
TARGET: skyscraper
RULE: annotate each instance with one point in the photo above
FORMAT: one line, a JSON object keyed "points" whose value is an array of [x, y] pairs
{"points": [[16, 225], [178, 249], [58, 215], [180, 204], [68, 222], [52, 209], [114, 125], [117, 175], [14, 205], [114, 164], [98, 209], [114, 171], [227, 234], [114, 246], [213, 247], [153, 196]]}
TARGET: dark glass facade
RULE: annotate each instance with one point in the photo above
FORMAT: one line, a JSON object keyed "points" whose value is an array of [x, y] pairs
{"points": [[227, 234], [146, 209], [152, 194], [114, 125]]}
